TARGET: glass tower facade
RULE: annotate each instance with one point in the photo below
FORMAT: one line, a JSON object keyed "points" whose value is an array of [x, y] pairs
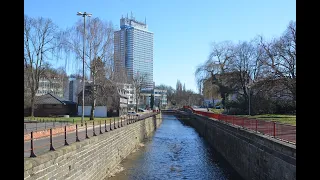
{"points": [[133, 50]]}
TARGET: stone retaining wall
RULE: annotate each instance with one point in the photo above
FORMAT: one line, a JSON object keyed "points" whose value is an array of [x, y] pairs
{"points": [[92, 158]]}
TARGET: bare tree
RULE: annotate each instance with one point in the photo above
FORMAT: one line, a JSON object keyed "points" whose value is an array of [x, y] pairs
{"points": [[207, 73], [280, 57], [170, 91], [138, 83], [58, 79], [40, 40], [99, 41]]}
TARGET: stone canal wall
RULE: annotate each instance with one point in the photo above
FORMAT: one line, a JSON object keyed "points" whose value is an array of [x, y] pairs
{"points": [[92, 158], [252, 155]]}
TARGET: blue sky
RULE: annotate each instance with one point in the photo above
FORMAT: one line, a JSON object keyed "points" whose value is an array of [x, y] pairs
{"points": [[183, 29]]}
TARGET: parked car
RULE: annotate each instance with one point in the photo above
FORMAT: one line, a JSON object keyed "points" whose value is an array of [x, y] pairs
{"points": [[132, 113], [141, 110]]}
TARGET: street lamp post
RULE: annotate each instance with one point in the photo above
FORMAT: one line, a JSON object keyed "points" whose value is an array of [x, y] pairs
{"points": [[84, 35]]}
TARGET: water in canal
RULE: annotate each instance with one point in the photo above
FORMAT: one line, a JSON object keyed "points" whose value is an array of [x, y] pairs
{"points": [[176, 151]]}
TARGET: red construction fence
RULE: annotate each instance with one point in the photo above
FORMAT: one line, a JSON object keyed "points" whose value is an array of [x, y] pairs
{"points": [[284, 132]]}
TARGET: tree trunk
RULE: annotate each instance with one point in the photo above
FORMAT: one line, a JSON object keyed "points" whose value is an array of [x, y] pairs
{"points": [[137, 102], [93, 105], [32, 104], [212, 102], [92, 110]]}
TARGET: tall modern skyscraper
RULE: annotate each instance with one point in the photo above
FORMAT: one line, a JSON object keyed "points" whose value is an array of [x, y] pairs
{"points": [[133, 49]]}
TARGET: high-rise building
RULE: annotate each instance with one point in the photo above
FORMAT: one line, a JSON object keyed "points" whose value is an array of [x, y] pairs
{"points": [[133, 50]]}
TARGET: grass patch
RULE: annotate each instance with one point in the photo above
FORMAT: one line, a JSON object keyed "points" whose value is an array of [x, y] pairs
{"points": [[286, 119], [217, 111]]}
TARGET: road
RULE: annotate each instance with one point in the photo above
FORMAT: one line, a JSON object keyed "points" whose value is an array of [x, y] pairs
{"points": [[42, 145]]}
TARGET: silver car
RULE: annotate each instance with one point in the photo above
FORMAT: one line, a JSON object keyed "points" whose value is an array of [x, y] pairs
{"points": [[132, 113]]}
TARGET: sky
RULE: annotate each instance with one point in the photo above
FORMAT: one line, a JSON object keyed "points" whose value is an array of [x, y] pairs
{"points": [[183, 29]]}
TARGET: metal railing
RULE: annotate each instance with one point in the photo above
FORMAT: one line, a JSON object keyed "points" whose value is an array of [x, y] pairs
{"points": [[283, 132], [73, 133]]}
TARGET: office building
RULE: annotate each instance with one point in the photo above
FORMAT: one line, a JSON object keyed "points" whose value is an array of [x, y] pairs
{"points": [[133, 50]]}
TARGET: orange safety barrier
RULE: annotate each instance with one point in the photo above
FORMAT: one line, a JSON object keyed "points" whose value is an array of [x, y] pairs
{"points": [[277, 130]]}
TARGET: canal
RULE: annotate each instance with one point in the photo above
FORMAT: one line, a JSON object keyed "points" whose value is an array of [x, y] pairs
{"points": [[175, 151]]}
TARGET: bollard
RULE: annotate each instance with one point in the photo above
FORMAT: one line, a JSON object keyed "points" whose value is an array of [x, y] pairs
{"points": [[100, 128], [87, 137], [65, 136], [32, 154], [110, 125], [118, 122], [93, 129], [51, 143], [114, 123], [121, 122], [105, 126], [77, 137]]}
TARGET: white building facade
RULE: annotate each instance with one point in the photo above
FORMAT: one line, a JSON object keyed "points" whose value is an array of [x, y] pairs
{"points": [[130, 92], [53, 86]]}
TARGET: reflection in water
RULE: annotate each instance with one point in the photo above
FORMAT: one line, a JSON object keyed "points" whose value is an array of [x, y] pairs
{"points": [[176, 151]]}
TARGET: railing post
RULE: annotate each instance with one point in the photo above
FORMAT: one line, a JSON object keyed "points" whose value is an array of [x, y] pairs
{"points": [[77, 136], [256, 125], [274, 129], [114, 123], [32, 154], [87, 137], [51, 141], [100, 128], [243, 122], [94, 131], [65, 136], [105, 126]]}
